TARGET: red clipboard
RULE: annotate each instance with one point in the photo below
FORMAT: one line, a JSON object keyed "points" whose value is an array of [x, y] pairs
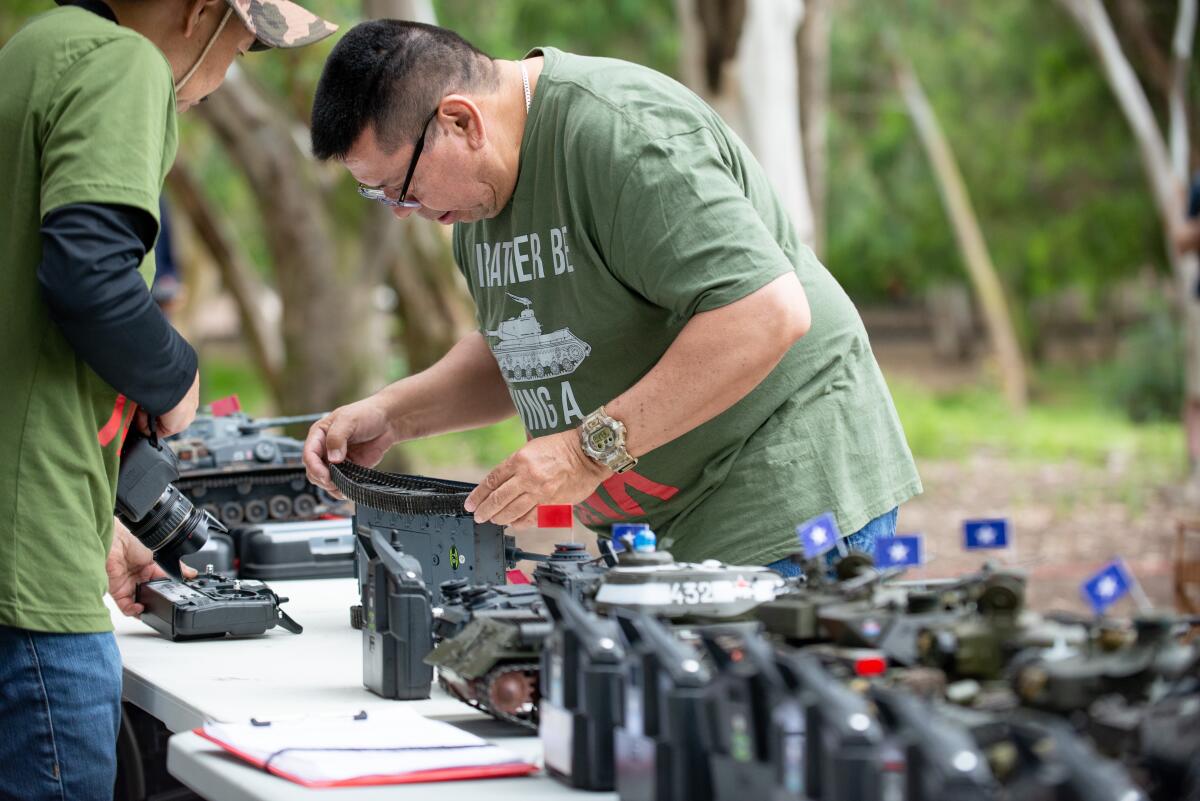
{"points": [[412, 777]]}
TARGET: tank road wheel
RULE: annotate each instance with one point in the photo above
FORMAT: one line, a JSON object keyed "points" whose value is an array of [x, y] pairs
{"points": [[280, 506], [256, 511], [513, 694], [304, 505], [232, 513], [212, 509]]}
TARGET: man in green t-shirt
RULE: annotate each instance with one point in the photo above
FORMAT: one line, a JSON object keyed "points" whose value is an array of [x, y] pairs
{"points": [[87, 129], [677, 355]]}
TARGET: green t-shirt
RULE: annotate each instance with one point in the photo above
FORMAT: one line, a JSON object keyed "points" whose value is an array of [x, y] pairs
{"points": [[636, 208], [87, 115]]}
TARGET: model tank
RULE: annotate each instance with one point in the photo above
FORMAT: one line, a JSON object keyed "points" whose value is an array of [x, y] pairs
{"points": [[490, 658], [490, 636], [232, 468], [526, 354], [654, 583], [1128, 662]]}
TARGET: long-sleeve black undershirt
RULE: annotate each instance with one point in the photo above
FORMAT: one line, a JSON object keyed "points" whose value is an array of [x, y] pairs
{"points": [[91, 284]]}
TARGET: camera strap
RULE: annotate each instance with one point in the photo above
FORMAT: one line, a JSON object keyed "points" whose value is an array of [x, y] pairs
{"points": [[399, 493]]}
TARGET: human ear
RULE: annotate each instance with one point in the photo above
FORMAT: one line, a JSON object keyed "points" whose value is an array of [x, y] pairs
{"points": [[196, 9], [465, 119]]}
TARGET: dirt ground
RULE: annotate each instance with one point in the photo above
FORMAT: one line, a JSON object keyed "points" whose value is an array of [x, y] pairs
{"points": [[1068, 520]]}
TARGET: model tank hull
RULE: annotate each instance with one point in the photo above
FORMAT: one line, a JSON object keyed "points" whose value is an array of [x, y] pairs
{"points": [[230, 467], [278, 495]]}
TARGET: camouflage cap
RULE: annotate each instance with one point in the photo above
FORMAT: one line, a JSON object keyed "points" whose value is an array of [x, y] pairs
{"points": [[280, 23]]}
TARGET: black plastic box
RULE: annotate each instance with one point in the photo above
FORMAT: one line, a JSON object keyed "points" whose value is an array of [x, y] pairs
{"points": [[303, 550]]}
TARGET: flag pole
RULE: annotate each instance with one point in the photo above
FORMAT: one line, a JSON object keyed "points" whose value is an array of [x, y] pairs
{"points": [[1136, 591]]}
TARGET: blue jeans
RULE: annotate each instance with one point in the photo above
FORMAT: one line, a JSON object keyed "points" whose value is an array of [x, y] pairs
{"points": [[60, 710], [881, 528]]}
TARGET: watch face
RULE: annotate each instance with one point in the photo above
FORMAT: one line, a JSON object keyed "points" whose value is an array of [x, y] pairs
{"points": [[602, 439]]}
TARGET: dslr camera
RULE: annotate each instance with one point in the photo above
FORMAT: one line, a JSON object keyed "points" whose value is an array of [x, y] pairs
{"points": [[151, 507]]}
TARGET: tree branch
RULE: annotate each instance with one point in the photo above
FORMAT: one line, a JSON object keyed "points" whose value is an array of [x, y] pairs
{"points": [[980, 269], [813, 47], [1137, 28], [1131, 97]]}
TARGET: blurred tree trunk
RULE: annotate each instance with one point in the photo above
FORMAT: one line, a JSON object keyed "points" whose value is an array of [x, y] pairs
{"points": [[326, 300], [731, 55], [432, 301], [415, 10], [1154, 62], [201, 283], [332, 348], [1166, 168], [236, 274], [980, 269], [813, 46]]}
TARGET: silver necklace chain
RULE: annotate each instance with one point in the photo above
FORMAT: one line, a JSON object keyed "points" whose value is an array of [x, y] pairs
{"points": [[525, 82]]}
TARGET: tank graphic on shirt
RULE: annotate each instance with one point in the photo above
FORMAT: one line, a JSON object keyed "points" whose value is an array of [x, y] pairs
{"points": [[524, 353]]}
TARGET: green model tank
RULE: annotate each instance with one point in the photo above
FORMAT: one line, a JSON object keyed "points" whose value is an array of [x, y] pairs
{"points": [[492, 643]]}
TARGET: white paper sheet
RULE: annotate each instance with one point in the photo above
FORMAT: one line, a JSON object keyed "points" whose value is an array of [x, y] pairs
{"points": [[339, 749]]}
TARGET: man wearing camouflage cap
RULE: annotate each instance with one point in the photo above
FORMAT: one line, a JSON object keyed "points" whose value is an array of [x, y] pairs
{"points": [[88, 133]]}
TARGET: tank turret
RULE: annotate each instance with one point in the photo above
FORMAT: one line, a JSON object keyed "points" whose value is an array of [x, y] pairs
{"points": [[656, 584], [232, 467]]}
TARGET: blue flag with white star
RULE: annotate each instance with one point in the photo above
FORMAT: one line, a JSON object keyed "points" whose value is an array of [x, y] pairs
{"points": [[818, 535], [980, 535], [903, 550], [1107, 586]]}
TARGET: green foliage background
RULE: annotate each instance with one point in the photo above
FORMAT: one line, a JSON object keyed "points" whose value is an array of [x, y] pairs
{"points": [[1049, 161]]}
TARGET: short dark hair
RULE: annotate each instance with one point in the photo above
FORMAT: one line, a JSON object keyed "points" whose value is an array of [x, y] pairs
{"points": [[392, 74]]}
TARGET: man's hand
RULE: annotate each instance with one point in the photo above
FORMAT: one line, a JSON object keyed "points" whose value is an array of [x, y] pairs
{"points": [[129, 564], [550, 469], [178, 418], [360, 432]]}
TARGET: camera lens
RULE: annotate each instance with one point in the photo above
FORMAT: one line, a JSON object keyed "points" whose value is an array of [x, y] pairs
{"points": [[153, 509], [172, 529]]}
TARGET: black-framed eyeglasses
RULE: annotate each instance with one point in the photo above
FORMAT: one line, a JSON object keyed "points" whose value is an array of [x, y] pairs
{"points": [[377, 194]]}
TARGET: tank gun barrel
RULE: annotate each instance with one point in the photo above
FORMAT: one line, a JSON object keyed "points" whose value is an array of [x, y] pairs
{"points": [[272, 422]]}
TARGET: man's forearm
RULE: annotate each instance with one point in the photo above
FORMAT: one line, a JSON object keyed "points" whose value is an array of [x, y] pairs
{"points": [[717, 359], [463, 390]]}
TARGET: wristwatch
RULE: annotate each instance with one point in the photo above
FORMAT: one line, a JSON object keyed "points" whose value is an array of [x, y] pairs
{"points": [[603, 439]]}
